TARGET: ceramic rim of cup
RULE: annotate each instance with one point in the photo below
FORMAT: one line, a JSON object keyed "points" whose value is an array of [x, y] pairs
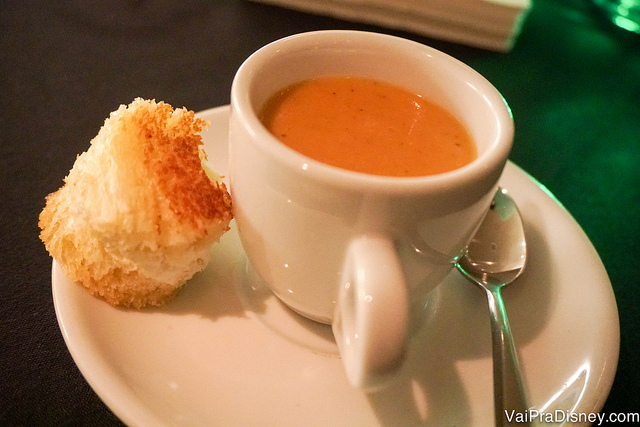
{"points": [[483, 171]]}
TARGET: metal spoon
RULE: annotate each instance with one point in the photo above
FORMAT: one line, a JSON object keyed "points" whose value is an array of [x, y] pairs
{"points": [[494, 258]]}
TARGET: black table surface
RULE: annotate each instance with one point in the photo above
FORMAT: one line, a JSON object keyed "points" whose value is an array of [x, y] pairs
{"points": [[572, 81]]}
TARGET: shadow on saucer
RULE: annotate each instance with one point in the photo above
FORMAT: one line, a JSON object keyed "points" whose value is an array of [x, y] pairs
{"points": [[435, 387], [263, 305], [211, 293]]}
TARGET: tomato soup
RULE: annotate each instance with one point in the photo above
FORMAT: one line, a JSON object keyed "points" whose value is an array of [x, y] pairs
{"points": [[368, 126]]}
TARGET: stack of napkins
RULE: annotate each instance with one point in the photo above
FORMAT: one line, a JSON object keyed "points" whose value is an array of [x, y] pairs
{"points": [[489, 24]]}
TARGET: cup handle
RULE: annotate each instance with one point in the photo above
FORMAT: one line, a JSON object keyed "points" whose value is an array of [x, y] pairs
{"points": [[371, 319]]}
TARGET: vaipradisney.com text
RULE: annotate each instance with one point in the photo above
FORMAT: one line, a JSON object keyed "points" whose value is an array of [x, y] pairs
{"points": [[562, 416]]}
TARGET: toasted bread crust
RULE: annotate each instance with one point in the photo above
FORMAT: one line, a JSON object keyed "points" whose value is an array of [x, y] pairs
{"points": [[171, 152], [138, 213]]}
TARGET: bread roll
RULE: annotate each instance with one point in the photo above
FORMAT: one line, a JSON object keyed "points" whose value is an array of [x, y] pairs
{"points": [[138, 213]]}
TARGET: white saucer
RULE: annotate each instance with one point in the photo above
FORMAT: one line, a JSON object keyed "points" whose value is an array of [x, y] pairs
{"points": [[225, 352]]}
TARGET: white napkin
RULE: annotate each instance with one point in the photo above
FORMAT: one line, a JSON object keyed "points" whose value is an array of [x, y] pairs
{"points": [[489, 24]]}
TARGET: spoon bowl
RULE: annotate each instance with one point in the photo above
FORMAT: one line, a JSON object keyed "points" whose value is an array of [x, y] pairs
{"points": [[495, 257]]}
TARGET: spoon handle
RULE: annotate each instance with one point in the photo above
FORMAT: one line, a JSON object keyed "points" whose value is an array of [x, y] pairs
{"points": [[508, 390]]}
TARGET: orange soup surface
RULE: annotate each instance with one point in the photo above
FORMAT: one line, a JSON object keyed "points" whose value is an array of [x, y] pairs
{"points": [[368, 126]]}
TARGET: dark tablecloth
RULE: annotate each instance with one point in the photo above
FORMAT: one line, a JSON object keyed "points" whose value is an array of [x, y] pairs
{"points": [[572, 80]]}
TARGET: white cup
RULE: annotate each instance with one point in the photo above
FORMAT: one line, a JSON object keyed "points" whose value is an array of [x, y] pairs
{"points": [[361, 252]]}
